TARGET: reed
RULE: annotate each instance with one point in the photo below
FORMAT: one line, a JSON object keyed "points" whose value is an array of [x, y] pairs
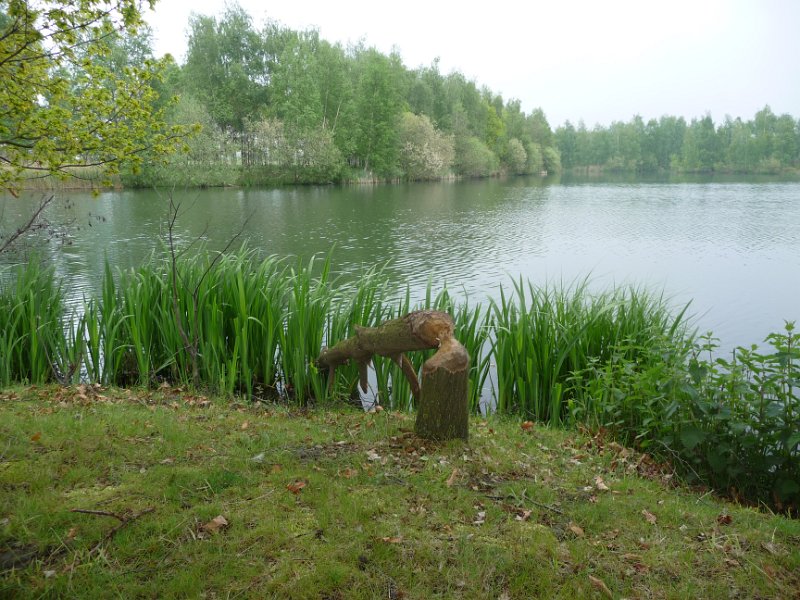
{"points": [[34, 338], [545, 335]]}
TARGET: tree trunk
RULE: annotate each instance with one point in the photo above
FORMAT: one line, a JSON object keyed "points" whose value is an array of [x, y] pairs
{"points": [[443, 411], [443, 407]]}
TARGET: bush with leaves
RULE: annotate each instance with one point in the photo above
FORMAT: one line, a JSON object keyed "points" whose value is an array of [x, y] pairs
{"points": [[732, 424]]}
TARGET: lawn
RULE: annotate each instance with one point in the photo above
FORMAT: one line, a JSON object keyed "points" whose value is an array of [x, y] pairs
{"points": [[167, 494]]}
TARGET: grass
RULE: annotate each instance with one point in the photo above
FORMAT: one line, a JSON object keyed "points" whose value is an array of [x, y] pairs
{"points": [[343, 504]]}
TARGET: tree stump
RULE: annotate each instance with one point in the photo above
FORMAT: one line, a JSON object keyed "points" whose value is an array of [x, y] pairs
{"points": [[442, 412], [443, 406]]}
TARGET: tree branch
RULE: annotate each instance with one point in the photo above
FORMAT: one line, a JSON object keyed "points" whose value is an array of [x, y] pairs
{"points": [[23, 229]]}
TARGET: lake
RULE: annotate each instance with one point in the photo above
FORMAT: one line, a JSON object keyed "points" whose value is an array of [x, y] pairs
{"points": [[732, 248]]}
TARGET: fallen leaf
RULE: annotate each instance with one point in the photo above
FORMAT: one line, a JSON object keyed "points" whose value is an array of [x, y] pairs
{"points": [[296, 486], [600, 484], [216, 524], [602, 587], [732, 562], [36, 436], [73, 531], [651, 518], [524, 515], [527, 425], [481, 518], [452, 479], [245, 425], [349, 473], [372, 455], [276, 469], [771, 548], [578, 531], [48, 574], [631, 557], [724, 519], [392, 540]]}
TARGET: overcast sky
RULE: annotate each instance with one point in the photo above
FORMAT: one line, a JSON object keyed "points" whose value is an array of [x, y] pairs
{"points": [[576, 59]]}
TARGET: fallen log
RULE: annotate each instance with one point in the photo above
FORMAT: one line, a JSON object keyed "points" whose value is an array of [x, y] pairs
{"points": [[442, 398]]}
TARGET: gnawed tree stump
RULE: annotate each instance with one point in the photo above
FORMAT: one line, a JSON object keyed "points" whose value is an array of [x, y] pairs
{"points": [[442, 400]]}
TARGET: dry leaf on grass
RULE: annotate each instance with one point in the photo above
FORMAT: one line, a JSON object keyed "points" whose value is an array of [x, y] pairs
{"points": [[602, 587], [724, 519], [452, 479], [600, 484], [578, 531], [216, 524], [392, 540], [651, 518], [527, 425], [296, 486]]}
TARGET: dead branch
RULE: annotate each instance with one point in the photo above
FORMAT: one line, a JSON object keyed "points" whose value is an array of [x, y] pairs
{"points": [[23, 229], [123, 522]]}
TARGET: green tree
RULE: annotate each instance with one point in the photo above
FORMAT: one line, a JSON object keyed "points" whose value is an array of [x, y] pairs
{"points": [[701, 146], [474, 158], [785, 144], [226, 66], [379, 100], [516, 158], [63, 105], [567, 141], [425, 152], [551, 160], [535, 162]]}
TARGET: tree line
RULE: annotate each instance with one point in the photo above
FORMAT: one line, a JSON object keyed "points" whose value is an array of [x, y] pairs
{"points": [[269, 104], [281, 105], [768, 143]]}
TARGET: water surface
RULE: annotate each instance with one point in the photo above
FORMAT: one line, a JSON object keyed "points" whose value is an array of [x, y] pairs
{"points": [[733, 249]]}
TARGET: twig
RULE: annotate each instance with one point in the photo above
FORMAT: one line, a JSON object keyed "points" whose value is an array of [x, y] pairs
{"points": [[101, 513], [27, 226], [123, 522], [534, 502]]}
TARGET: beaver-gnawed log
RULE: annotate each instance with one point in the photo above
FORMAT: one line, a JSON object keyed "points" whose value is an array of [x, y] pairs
{"points": [[443, 407]]}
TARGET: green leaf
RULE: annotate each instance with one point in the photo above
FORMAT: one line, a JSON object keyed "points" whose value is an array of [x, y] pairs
{"points": [[787, 488], [691, 436]]}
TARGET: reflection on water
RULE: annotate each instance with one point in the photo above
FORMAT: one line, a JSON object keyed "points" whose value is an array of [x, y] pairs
{"points": [[734, 248]]}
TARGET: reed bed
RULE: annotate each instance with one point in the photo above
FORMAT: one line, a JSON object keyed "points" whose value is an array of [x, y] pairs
{"points": [[235, 324], [544, 336]]}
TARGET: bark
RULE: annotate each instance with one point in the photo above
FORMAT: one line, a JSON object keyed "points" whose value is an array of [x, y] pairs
{"points": [[443, 409], [443, 412]]}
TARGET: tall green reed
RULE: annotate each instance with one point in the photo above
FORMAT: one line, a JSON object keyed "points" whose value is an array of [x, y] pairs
{"points": [[37, 343], [545, 335]]}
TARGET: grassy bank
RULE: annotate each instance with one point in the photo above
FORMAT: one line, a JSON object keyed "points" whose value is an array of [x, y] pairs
{"points": [[342, 504]]}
